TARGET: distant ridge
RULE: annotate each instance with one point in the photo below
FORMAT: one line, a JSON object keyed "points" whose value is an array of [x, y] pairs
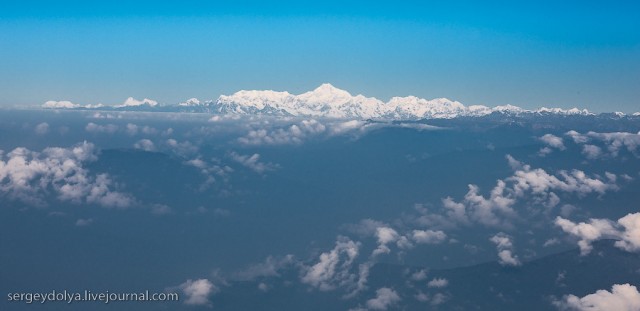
{"points": [[326, 101]]}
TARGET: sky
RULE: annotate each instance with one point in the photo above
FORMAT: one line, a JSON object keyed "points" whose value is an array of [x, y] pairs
{"points": [[575, 53]]}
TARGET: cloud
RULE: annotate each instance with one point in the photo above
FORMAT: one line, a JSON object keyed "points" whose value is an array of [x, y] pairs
{"points": [[419, 275], [385, 235], [626, 231], [29, 176], [551, 141], [84, 222], [505, 250], [535, 186], [253, 162], [42, 128], [183, 149], [622, 297], [428, 236], [269, 268], [95, 128], [591, 151], [618, 140], [365, 228], [333, 267], [198, 291], [145, 144], [438, 283], [577, 137], [630, 236], [385, 298], [614, 142], [291, 135]]}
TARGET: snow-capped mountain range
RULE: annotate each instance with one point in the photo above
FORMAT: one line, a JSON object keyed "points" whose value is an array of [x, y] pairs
{"points": [[326, 101]]}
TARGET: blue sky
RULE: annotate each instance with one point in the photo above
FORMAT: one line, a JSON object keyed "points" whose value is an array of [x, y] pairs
{"points": [[584, 54]]}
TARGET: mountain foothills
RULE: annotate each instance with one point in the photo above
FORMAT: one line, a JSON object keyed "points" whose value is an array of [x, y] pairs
{"points": [[325, 101]]}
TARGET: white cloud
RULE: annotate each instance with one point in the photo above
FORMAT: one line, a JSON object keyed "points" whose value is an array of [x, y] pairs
{"points": [[42, 128], [428, 236], [333, 267], [591, 151], [543, 152], [526, 184], [183, 149], [614, 142], [438, 299], [131, 129], [553, 141], [419, 275], [626, 231], [577, 137], [95, 128], [622, 297], [365, 228], [385, 298], [630, 235], [198, 291], [618, 140], [29, 176], [293, 134], [253, 162], [438, 283], [385, 235], [82, 222], [504, 246], [145, 144], [270, 267]]}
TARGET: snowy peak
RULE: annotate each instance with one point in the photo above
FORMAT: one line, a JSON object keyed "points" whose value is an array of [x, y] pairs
{"points": [[191, 102], [132, 102], [64, 104], [327, 101]]}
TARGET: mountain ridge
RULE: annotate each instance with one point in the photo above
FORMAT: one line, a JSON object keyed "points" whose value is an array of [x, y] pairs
{"points": [[326, 101]]}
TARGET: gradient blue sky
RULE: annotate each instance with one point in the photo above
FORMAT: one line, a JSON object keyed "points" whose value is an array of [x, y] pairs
{"points": [[543, 53]]}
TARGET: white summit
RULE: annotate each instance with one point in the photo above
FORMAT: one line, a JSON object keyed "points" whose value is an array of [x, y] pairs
{"points": [[331, 102]]}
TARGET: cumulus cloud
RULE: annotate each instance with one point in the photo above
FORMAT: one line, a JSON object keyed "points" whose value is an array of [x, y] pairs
{"points": [[419, 275], [622, 297], [96, 128], [30, 176], [269, 268], [385, 298], [83, 222], [183, 149], [591, 151], [253, 162], [438, 283], [293, 134], [333, 268], [428, 236], [42, 128], [527, 184], [145, 144], [198, 291], [551, 141], [626, 231], [504, 246], [614, 142], [365, 228]]}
